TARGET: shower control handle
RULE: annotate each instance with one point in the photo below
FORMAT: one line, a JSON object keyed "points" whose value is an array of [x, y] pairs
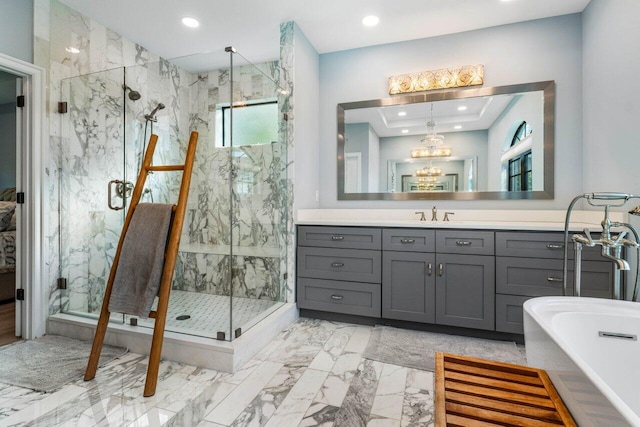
{"points": [[110, 194]]}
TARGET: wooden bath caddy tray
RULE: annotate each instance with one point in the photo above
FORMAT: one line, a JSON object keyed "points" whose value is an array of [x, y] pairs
{"points": [[480, 393]]}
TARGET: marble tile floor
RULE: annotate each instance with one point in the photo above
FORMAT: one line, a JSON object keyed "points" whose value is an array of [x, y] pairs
{"points": [[312, 374]]}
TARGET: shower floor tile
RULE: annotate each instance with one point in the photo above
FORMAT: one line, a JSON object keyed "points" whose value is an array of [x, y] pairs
{"points": [[210, 314]]}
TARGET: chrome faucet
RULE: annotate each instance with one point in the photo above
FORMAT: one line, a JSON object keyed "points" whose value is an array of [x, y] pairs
{"points": [[422, 217], [434, 214]]}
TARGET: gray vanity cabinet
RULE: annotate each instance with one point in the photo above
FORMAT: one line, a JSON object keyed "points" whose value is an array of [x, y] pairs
{"points": [[454, 286], [408, 286], [529, 264], [465, 291], [338, 269]]}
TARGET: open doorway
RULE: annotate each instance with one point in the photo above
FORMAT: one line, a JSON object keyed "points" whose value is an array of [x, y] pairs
{"points": [[29, 174], [10, 132]]}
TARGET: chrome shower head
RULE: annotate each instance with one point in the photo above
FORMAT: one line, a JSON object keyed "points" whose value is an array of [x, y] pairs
{"points": [[134, 95], [152, 114]]}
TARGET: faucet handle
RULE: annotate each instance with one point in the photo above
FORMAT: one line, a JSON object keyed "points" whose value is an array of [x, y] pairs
{"points": [[422, 217], [619, 238], [589, 238], [446, 215]]}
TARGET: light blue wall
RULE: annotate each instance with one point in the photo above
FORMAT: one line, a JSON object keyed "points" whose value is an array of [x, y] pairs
{"points": [[546, 49], [611, 91], [307, 134], [16, 29]]}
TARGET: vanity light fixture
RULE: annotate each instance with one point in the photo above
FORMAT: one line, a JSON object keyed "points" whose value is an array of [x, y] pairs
{"points": [[429, 171], [462, 108], [72, 49], [424, 153], [190, 22], [370, 21]]}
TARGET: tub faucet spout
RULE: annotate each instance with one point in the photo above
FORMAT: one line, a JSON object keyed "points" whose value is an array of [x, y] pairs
{"points": [[622, 264]]}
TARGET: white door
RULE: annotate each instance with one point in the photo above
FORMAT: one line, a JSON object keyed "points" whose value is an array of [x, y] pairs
{"points": [[352, 175]]}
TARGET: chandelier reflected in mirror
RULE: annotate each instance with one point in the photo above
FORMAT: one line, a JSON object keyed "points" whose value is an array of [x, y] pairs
{"points": [[431, 143]]}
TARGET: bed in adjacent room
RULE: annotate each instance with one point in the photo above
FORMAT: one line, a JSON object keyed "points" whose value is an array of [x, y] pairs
{"points": [[7, 244]]}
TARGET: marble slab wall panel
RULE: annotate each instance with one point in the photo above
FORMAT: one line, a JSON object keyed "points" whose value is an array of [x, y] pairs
{"points": [[253, 276], [286, 137]]}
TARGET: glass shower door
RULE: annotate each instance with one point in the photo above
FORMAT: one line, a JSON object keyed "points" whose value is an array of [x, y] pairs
{"points": [[93, 187]]}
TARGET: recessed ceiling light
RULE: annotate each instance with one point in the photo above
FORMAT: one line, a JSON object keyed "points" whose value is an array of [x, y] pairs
{"points": [[457, 127], [402, 113], [462, 108], [370, 20], [72, 49], [405, 131], [190, 22]]}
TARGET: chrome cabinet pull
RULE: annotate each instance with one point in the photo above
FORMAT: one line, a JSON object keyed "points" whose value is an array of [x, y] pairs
{"points": [[441, 270], [337, 264], [109, 186], [429, 269], [337, 237], [554, 246], [554, 279], [405, 241], [337, 297], [463, 243]]}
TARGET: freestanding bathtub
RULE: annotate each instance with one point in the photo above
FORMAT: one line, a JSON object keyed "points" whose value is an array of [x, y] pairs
{"points": [[590, 349]]}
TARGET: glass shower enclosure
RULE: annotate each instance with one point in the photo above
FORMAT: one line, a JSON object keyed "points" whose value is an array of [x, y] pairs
{"points": [[231, 268]]}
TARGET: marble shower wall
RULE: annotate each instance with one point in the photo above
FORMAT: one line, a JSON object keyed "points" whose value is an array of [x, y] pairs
{"points": [[83, 156]]}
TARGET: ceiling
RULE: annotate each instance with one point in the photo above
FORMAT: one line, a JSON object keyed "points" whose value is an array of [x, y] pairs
{"points": [[479, 114], [252, 26]]}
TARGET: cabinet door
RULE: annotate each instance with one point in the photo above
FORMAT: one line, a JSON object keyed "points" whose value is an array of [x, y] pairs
{"points": [[408, 286], [465, 291]]}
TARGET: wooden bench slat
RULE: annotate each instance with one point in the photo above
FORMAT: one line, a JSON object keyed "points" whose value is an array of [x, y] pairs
{"points": [[454, 420], [494, 416], [501, 406], [491, 364], [497, 384], [493, 373], [525, 399]]}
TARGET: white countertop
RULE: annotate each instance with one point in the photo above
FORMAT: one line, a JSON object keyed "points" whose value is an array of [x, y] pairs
{"points": [[468, 219]]}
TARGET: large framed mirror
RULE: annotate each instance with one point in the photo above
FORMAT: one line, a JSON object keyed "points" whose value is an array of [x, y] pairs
{"points": [[462, 144]]}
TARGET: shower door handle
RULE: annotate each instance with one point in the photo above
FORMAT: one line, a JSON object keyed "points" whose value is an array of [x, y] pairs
{"points": [[110, 194]]}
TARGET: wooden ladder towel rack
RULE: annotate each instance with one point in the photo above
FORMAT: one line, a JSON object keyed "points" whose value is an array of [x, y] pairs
{"points": [[170, 256]]}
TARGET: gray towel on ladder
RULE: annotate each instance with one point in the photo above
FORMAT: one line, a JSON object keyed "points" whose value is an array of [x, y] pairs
{"points": [[141, 261]]}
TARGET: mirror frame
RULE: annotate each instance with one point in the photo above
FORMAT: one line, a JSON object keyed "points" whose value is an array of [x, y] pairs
{"points": [[548, 89]]}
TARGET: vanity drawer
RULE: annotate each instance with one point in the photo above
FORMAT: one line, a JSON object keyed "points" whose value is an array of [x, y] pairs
{"points": [[540, 245], [509, 316], [543, 277], [361, 299], [465, 242], [408, 240], [339, 237], [351, 265]]}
